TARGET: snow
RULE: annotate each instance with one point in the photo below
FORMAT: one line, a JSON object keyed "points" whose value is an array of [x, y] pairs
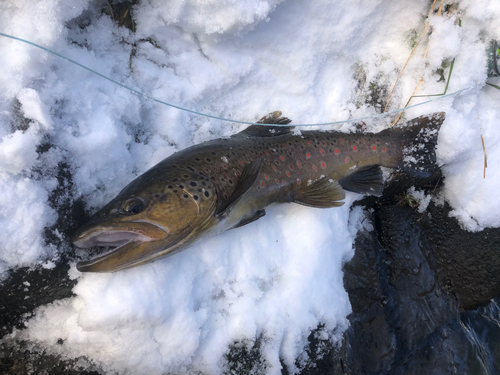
{"points": [[279, 277]]}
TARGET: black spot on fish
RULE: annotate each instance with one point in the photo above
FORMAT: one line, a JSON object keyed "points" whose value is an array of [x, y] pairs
{"points": [[203, 183], [195, 197], [192, 183], [186, 175], [170, 187], [197, 159], [181, 186], [191, 169], [231, 182], [207, 194], [185, 196], [213, 153], [208, 159], [175, 180]]}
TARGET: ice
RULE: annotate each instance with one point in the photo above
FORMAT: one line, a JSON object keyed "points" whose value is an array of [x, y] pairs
{"points": [[280, 277]]}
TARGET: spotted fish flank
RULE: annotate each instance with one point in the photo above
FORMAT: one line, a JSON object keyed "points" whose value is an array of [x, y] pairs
{"points": [[227, 183]]}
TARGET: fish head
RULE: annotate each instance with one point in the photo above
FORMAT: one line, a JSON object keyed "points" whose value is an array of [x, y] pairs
{"points": [[150, 218]]}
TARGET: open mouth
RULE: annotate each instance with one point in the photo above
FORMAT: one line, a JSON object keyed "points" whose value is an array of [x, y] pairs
{"points": [[121, 246], [118, 252], [106, 238]]}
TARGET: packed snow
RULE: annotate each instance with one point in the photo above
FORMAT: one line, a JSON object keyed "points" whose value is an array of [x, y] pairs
{"points": [[280, 277]]}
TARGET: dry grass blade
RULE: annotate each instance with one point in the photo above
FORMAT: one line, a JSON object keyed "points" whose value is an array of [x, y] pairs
{"points": [[426, 29], [485, 157]]}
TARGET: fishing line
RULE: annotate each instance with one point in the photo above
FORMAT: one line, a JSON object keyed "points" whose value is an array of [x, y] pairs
{"points": [[136, 92]]}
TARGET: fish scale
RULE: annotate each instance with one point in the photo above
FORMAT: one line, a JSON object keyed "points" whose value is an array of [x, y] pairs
{"points": [[227, 183]]}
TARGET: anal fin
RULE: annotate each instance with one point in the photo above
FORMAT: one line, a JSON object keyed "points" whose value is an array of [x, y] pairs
{"points": [[366, 180], [322, 193], [248, 220]]}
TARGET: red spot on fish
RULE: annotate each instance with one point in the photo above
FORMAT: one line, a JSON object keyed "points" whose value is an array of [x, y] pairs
{"points": [[277, 181], [274, 168], [323, 165], [299, 165], [347, 159], [267, 153], [337, 151], [298, 180], [374, 148], [309, 142], [315, 169], [241, 162], [288, 174], [239, 173], [322, 151], [354, 148], [262, 184], [308, 155], [383, 150], [266, 177], [282, 182], [224, 166], [341, 140], [282, 157], [324, 143], [284, 146]]}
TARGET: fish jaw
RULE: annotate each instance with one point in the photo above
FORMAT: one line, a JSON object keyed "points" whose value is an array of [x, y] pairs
{"points": [[129, 240]]}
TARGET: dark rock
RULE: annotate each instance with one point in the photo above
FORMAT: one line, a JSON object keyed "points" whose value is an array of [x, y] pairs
{"points": [[409, 283]]}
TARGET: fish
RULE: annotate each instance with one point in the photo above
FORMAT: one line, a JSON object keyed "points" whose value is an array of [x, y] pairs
{"points": [[228, 183]]}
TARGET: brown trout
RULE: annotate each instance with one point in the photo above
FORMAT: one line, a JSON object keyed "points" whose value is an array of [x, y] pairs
{"points": [[227, 183]]}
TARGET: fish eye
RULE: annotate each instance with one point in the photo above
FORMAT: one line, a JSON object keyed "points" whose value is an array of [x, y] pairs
{"points": [[133, 206]]}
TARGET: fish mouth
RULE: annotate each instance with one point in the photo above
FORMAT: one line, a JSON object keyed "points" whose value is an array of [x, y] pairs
{"points": [[129, 246], [106, 238]]}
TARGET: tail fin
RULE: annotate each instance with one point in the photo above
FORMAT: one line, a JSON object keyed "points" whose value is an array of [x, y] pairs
{"points": [[419, 141]]}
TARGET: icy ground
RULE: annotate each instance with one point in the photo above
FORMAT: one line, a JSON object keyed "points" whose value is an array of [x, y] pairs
{"points": [[278, 278]]}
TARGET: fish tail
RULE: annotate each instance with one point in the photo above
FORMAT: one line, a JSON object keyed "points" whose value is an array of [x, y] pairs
{"points": [[419, 142]]}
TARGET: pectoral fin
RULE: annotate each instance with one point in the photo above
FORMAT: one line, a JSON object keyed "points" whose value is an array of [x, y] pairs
{"points": [[256, 216], [366, 180], [247, 179], [322, 193]]}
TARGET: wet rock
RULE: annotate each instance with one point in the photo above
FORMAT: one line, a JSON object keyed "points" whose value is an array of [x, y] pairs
{"points": [[410, 283]]}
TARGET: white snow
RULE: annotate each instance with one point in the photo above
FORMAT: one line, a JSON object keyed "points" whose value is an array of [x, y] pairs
{"points": [[279, 277]]}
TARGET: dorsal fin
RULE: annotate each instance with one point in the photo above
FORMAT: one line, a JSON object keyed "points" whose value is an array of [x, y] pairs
{"points": [[247, 179], [269, 131], [322, 193], [366, 180]]}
